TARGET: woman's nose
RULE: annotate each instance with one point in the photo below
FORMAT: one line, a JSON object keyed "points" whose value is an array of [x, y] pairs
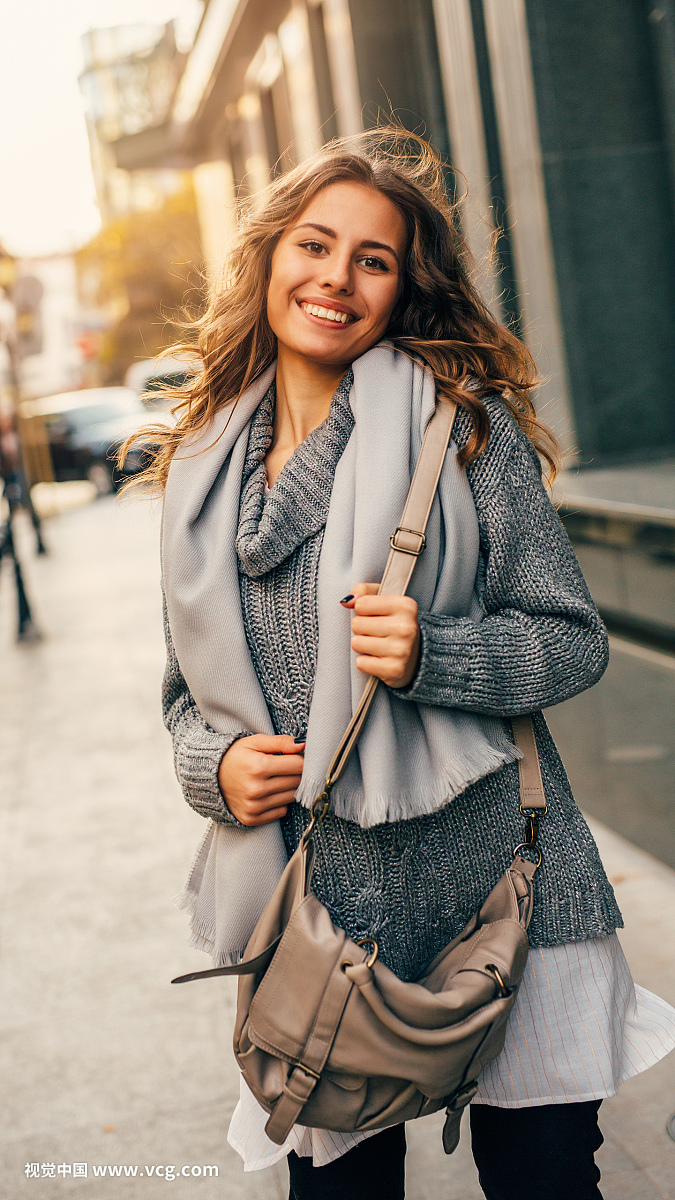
{"points": [[338, 275]]}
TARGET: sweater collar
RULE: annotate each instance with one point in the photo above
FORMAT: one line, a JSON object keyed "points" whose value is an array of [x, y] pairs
{"points": [[272, 527]]}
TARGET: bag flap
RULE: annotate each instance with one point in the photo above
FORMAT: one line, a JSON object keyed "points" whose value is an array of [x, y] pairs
{"points": [[283, 1011]]}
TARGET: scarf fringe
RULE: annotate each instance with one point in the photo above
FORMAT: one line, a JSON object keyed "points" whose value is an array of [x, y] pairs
{"points": [[196, 873], [379, 808], [203, 932]]}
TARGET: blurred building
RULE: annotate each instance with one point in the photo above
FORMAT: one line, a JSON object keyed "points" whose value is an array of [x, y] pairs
{"points": [[136, 268], [559, 113], [128, 84], [40, 324], [53, 360]]}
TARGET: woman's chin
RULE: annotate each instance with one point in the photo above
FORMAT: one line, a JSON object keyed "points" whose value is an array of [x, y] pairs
{"points": [[324, 351], [327, 348]]}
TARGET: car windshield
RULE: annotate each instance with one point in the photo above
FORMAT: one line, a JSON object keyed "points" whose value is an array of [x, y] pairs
{"points": [[97, 414]]}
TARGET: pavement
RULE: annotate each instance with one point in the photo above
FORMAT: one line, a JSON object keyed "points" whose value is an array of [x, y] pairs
{"points": [[651, 485], [622, 524], [103, 1063]]}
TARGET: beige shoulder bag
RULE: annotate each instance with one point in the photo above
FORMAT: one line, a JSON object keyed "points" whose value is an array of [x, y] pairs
{"points": [[327, 1036]]}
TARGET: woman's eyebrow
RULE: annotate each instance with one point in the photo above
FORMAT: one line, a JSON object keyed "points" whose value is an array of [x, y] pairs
{"points": [[321, 228], [332, 234], [379, 246]]}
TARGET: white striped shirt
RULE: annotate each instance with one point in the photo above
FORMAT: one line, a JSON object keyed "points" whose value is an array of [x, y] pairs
{"points": [[579, 1028]]}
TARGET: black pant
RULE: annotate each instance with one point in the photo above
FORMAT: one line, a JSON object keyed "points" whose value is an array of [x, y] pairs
{"points": [[541, 1153]]}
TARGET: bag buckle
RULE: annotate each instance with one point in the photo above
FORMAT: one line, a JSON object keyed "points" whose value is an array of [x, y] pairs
{"points": [[300, 1066], [531, 836], [408, 549]]}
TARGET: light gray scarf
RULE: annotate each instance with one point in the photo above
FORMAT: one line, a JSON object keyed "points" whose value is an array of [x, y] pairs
{"points": [[411, 758]]}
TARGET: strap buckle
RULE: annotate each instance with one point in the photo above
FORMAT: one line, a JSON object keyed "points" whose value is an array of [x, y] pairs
{"points": [[408, 549], [300, 1066]]}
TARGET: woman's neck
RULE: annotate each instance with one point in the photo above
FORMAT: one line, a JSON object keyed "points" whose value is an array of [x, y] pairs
{"points": [[304, 392]]}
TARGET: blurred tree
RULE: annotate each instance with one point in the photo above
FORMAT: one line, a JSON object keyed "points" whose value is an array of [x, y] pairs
{"points": [[144, 270]]}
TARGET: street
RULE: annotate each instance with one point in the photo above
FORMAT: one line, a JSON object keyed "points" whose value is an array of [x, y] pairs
{"points": [[104, 1062]]}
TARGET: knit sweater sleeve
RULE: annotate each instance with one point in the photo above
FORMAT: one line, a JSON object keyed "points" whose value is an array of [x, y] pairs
{"points": [[541, 639], [197, 748]]}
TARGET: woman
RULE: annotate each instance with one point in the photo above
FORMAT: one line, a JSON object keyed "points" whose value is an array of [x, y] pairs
{"points": [[287, 471]]}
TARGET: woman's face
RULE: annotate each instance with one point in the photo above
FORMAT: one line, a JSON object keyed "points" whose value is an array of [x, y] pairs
{"points": [[337, 274]]}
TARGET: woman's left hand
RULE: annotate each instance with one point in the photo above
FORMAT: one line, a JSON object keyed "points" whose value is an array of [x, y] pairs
{"points": [[386, 634]]}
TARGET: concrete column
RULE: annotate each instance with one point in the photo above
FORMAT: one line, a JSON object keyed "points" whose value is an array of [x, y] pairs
{"points": [[344, 79], [299, 74], [508, 44], [214, 191], [461, 93]]}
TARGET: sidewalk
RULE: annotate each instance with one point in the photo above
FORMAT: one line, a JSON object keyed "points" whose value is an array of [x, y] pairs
{"points": [[651, 486], [102, 1061]]}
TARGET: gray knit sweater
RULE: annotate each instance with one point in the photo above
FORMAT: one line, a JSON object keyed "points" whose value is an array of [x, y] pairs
{"points": [[413, 884]]}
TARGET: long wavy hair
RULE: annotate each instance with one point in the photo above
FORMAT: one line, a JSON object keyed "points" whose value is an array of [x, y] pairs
{"points": [[439, 319]]}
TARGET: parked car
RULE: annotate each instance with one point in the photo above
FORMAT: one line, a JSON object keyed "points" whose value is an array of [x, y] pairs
{"points": [[155, 375], [85, 428]]}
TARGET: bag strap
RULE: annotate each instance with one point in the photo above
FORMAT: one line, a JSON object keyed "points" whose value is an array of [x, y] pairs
{"points": [[532, 793], [407, 543]]}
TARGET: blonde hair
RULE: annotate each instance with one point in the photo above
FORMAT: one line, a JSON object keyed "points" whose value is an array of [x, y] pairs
{"points": [[439, 319]]}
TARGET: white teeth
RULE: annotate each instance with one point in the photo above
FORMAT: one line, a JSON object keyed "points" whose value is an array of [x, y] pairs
{"points": [[328, 314]]}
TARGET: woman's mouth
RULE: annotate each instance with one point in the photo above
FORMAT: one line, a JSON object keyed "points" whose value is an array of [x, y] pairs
{"points": [[325, 313]]}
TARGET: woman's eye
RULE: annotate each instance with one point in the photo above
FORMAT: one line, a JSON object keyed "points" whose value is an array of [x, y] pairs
{"points": [[313, 247], [374, 264]]}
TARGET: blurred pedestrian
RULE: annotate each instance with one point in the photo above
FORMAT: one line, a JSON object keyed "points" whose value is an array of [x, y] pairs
{"points": [[285, 475], [17, 491], [10, 455]]}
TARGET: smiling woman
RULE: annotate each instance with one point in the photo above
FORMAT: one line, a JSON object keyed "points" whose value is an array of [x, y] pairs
{"points": [[347, 313]]}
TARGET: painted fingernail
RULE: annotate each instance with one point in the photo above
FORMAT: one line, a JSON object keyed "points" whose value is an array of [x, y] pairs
{"points": [[346, 599], [302, 738]]}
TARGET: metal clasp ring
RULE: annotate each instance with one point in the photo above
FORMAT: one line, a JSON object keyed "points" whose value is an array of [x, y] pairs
{"points": [[492, 970], [368, 941], [324, 801], [529, 846]]}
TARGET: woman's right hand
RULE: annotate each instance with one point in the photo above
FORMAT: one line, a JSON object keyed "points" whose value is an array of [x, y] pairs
{"points": [[259, 776]]}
